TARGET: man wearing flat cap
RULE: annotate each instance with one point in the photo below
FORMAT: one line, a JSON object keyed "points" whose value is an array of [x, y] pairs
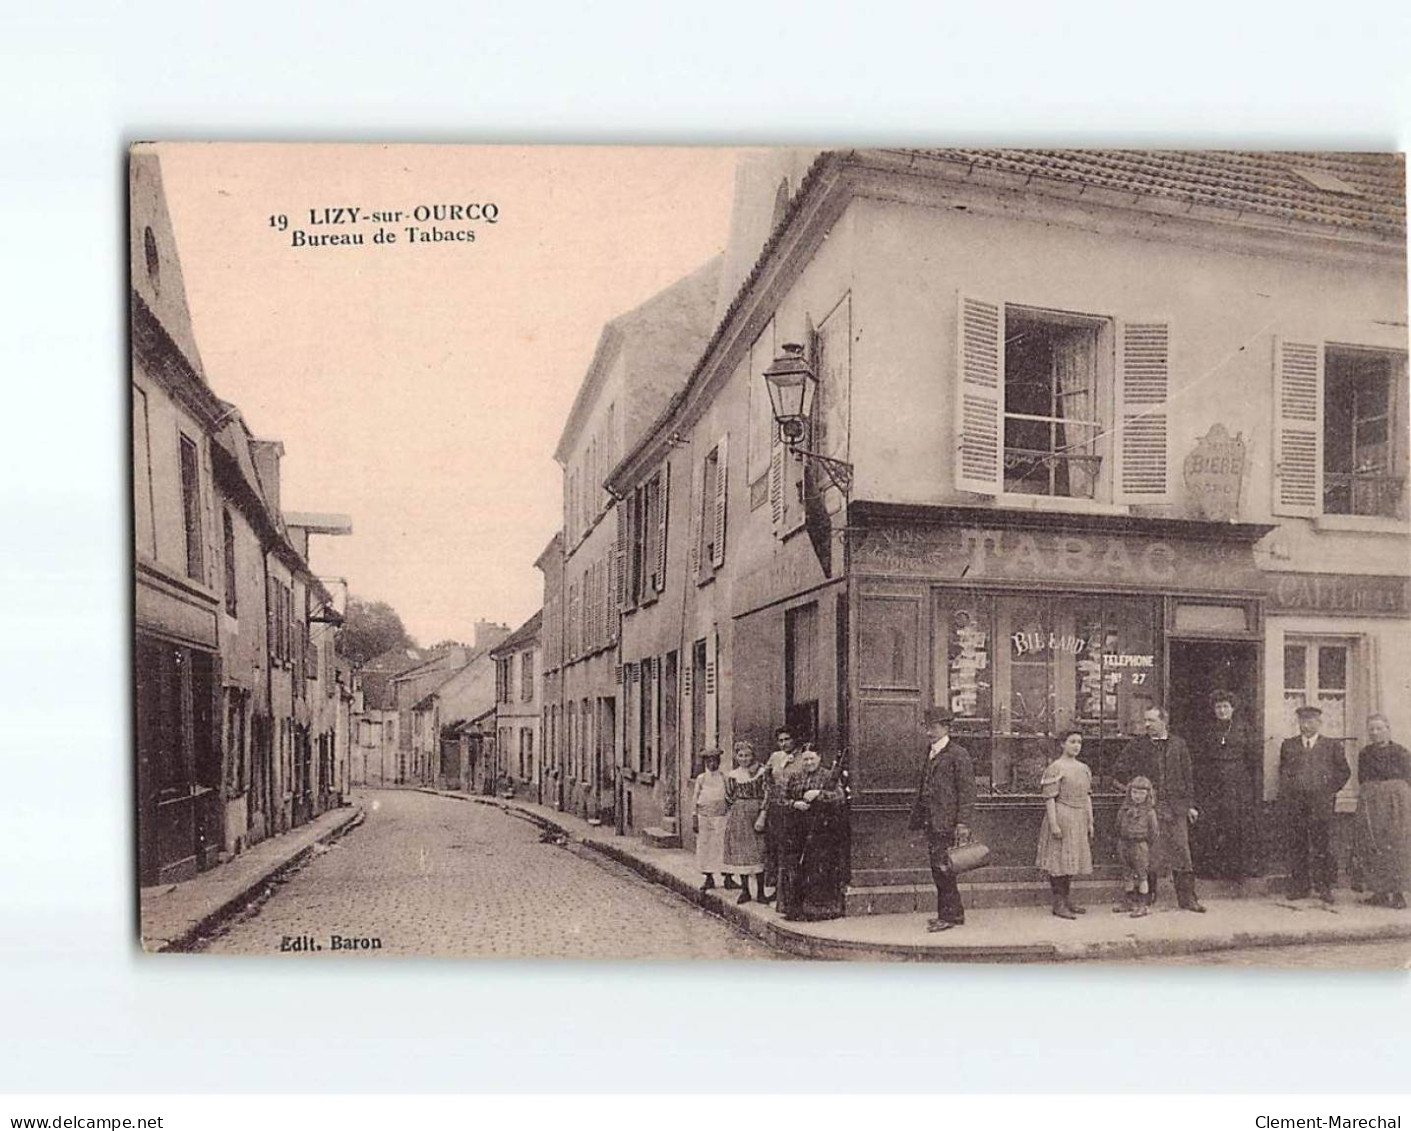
{"points": [[1226, 760], [1312, 769], [945, 798]]}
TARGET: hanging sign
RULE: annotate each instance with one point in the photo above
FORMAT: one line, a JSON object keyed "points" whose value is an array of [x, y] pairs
{"points": [[1214, 474]]}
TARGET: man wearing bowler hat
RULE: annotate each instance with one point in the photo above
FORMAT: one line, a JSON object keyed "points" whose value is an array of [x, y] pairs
{"points": [[1312, 769], [945, 798]]}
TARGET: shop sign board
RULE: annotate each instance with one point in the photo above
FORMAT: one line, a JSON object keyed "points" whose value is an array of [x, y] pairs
{"points": [[1090, 560], [1339, 593], [1214, 474]]}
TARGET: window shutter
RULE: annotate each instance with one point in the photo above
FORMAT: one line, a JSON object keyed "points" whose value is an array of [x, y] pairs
{"points": [[271, 617], [712, 696], [777, 469], [699, 536], [1143, 392], [619, 554], [979, 411], [1298, 428], [717, 557], [663, 505]]}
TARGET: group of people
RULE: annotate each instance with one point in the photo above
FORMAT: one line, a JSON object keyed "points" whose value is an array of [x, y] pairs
{"points": [[783, 822], [1162, 806]]}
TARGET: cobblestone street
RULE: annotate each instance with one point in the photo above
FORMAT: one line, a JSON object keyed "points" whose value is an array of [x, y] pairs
{"points": [[431, 875]]}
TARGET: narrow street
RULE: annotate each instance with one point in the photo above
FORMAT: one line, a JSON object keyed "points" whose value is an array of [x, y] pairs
{"points": [[427, 875]]}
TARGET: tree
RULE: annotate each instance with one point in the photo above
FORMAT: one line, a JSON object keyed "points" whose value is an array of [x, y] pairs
{"points": [[369, 629]]}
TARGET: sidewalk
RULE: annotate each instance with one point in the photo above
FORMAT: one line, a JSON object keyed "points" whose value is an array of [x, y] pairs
{"points": [[173, 915], [993, 934]]}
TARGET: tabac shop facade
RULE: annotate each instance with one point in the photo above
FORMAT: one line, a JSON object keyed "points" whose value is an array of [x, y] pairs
{"points": [[1108, 448], [1024, 624]]}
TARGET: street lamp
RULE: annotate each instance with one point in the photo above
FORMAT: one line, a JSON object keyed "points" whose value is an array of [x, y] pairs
{"points": [[793, 387]]}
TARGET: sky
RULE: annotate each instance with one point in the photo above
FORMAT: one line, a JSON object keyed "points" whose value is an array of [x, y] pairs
{"points": [[420, 388]]}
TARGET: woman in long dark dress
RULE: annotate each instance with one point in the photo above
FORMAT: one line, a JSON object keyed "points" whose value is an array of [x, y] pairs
{"points": [[1384, 815], [813, 865], [1225, 777]]}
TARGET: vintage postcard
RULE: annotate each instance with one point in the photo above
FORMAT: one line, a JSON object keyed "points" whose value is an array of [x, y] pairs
{"points": [[926, 554]]}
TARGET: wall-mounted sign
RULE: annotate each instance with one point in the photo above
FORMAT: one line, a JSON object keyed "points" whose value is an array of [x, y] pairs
{"points": [[1214, 473], [1349, 594], [1091, 560]]}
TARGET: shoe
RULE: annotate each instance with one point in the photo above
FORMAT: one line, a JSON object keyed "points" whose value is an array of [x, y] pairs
{"points": [[1061, 910], [768, 898], [1326, 897], [1379, 899], [936, 925], [1076, 908], [730, 884], [709, 883], [744, 897], [1193, 904], [1140, 911], [1398, 901]]}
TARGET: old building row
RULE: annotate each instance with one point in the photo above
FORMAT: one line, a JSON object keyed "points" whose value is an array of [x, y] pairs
{"points": [[242, 711], [1091, 431]]}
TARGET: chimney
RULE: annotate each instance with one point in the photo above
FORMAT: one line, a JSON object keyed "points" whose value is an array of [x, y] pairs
{"points": [[488, 633], [267, 454]]}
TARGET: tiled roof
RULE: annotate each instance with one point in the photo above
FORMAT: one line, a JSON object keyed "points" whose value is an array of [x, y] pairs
{"points": [[1362, 191], [528, 631]]}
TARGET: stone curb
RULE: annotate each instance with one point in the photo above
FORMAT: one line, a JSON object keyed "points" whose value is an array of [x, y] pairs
{"points": [[784, 936], [212, 918]]}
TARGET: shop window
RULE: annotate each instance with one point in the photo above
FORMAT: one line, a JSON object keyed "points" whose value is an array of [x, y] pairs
{"points": [[1360, 473], [1017, 670], [1317, 672], [1051, 405]]}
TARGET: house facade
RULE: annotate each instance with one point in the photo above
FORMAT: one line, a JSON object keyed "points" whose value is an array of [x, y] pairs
{"points": [[641, 362], [1122, 428], [226, 606], [519, 685]]}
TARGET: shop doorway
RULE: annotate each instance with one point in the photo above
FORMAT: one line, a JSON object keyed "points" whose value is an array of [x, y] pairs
{"points": [[1199, 667], [1223, 839]]}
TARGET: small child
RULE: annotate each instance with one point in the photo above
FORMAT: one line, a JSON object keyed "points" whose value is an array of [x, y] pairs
{"points": [[1136, 829]]}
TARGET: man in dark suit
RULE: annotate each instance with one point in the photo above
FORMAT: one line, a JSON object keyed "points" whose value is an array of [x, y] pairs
{"points": [[945, 798], [1311, 771], [1164, 759]]}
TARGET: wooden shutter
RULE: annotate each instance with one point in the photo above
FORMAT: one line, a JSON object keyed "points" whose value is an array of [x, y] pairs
{"points": [[1143, 432], [979, 411], [663, 506], [1298, 428], [619, 554], [271, 616], [712, 695], [777, 469], [717, 557]]}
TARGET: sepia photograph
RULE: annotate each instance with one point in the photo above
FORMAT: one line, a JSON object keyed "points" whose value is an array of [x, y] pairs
{"points": [[943, 555]]}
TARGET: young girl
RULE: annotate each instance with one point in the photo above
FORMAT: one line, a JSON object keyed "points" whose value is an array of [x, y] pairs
{"points": [[1065, 837], [1136, 829], [744, 841]]}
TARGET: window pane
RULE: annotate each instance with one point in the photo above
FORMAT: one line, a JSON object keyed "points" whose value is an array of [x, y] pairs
{"points": [[888, 644], [1295, 667], [1025, 625], [1332, 668], [964, 655]]}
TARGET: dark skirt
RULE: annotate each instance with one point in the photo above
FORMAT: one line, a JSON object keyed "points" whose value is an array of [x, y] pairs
{"points": [[813, 863], [1384, 834], [1222, 839]]}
